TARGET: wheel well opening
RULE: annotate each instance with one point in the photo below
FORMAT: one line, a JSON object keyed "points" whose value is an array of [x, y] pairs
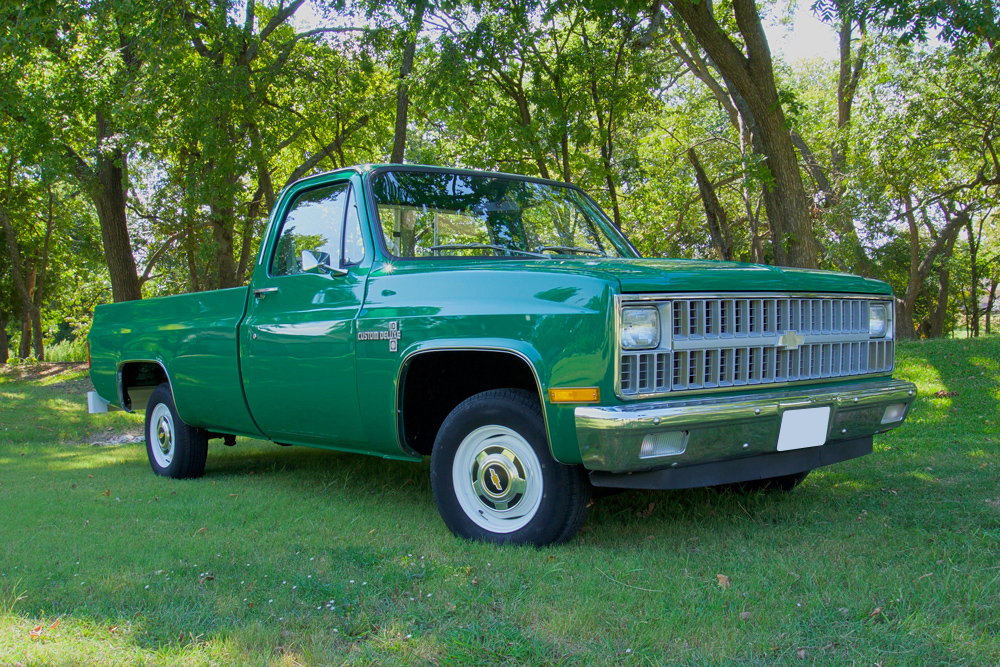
{"points": [[436, 382], [139, 379]]}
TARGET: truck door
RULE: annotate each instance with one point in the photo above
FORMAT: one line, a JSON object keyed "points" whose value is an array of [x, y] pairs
{"points": [[298, 339]]}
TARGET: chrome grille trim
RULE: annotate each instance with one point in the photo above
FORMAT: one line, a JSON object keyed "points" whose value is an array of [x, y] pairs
{"points": [[712, 342]]}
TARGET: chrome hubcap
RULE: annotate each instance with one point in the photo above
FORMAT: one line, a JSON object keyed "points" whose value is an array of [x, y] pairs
{"points": [[161, 435], [497, 479]]}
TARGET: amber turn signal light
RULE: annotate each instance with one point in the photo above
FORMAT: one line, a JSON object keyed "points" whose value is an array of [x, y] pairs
{"points": [[576, 395]]}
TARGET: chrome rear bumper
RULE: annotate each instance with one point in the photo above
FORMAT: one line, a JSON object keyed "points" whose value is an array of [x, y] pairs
{"points": [[677, 433]]}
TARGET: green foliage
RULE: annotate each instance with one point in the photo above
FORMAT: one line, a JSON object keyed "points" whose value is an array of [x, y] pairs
{"points": [[290, 555], [210, 114]]}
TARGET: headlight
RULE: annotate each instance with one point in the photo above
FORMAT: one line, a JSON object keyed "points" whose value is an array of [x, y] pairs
{"points": [[640, 328], [878, 320]]}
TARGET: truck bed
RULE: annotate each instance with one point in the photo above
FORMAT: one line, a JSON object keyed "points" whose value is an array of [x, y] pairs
{"points": [[194, 338]]}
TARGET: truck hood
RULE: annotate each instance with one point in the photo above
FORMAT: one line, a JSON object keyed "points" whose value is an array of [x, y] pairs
{"points": [[693, 275], [633, 276]]}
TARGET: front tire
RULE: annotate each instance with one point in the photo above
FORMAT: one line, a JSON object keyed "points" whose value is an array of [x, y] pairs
{"points": [[494, 478], [174, 448]]}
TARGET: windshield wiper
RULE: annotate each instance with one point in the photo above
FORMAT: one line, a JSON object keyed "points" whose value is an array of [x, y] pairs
{"points": [[486, 246], [566, 248]]}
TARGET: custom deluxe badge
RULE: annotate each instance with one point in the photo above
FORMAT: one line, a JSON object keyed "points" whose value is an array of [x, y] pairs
{"points": [[392, 334]]}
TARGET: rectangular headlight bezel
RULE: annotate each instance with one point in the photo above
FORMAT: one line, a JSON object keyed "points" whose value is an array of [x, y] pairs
{"points": [[631, 335], [885, 330]]}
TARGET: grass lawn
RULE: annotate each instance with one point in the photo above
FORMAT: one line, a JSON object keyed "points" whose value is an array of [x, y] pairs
{"points": [[291, 556]]}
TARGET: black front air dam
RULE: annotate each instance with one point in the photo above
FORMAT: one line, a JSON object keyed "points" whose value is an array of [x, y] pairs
{"points": [[747, 469]]}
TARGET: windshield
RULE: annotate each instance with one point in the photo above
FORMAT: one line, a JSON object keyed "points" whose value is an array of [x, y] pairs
{"points": [[437, 214]]}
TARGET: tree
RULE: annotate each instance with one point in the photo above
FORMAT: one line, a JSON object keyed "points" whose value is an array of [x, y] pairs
{"points": [[750, 72]]}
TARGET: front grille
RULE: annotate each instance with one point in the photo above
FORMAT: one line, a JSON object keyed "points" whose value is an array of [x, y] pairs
{"points": [[741, 341]]}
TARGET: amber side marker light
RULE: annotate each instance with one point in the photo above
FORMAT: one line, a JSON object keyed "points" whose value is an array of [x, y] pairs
{"points": [[577, 395]]}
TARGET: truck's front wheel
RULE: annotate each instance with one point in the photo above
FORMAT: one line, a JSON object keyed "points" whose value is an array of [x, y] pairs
{"points": [[174, 448], [494, 479]]}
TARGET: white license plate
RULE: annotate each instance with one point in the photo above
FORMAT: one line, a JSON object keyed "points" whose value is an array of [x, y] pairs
{"points": [[803, 428]]}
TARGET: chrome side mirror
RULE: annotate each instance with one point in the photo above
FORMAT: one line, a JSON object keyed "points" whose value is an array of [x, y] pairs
{"points": [[313, 264]]}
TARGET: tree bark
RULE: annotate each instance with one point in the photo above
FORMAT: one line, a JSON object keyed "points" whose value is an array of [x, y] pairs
{"points": [[403, 88], [936, 319], [4, 341], [991, 302], [921, 268], [752, 75], [105, 185], [718, 225], [974, 276], [31, 318]]}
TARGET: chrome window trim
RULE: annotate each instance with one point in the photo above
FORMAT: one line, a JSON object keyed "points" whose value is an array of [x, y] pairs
{"points": [[622, 300]]}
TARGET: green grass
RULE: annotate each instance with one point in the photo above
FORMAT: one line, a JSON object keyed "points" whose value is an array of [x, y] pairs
{"points": [[290, 556]]}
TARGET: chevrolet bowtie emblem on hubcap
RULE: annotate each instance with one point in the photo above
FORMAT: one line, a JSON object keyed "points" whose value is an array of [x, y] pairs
{"points": [[791, 340], [496, 481]]}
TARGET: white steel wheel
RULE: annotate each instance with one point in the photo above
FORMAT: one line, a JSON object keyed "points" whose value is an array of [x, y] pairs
{"points": [[174, 449], [497, 479], [161, 435], [494, 478]]}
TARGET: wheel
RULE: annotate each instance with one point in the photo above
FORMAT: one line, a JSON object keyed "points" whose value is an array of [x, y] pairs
{"points": [[174, 448], [782, 483], [493, 476]]}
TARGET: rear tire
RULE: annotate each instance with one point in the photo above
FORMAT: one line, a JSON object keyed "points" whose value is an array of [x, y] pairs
{"points": [[493, 476], [174, 448]]}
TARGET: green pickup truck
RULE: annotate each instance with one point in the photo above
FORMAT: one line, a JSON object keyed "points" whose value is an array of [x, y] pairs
{"points": [[503, 326]]}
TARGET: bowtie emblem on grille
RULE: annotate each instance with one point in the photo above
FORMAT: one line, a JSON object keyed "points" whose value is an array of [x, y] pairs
{"points": [[791, 340]]}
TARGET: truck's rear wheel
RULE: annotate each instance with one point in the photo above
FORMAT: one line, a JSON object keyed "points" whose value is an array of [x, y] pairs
{"points": [[174, 448], [494, 478]]}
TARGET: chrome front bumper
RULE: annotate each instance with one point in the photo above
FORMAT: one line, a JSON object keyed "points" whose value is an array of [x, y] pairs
{"points": [[687, 432]]}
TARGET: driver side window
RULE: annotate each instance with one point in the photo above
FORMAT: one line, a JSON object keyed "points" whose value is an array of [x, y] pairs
{"points": [[315, 222]]}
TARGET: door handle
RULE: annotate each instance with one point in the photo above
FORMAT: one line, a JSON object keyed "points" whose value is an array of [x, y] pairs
{"points": [[264, 291]]}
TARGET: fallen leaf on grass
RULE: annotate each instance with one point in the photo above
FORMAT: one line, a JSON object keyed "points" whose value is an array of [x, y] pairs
{"points": [[801, 653], [924, 576], [723, 580], [945, 394], [745, 615], [204, 578], [35, 632], [107, 492], [875, 612], [200, 531], [114, 629], [55, 624], [646, 512]]}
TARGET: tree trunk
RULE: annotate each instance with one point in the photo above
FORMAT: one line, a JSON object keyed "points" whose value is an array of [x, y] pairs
{"points": [[24, 349], [403, 88], [106, 187], [752, 75], [937, 316], [222, 232], [4, 341], [990, 302], [718, 226], [974, 275], [190, 244], [919, 270], [29, 312]]}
